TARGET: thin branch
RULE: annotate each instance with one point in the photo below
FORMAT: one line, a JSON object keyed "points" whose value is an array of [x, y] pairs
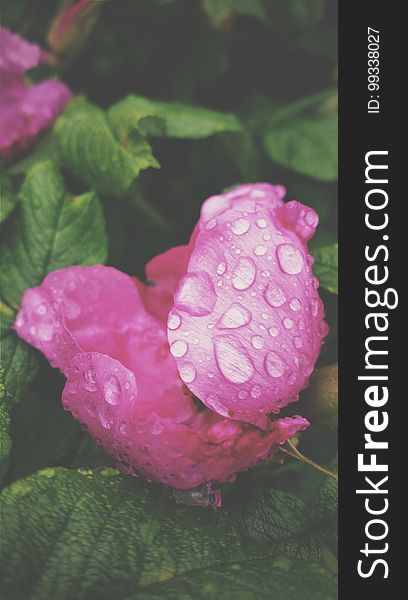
{"points": [[294, 453]]}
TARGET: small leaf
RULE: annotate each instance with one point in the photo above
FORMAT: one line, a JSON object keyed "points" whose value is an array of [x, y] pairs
{"points": [[305, 144], [103, 158], [86, 534], [326, 267], [49, 231]]}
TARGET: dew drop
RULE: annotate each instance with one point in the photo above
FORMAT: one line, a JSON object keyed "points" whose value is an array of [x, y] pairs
{"points": [[240, 226], [274, 296], [174, 321], [273, 331], [290, 259], [221, 268], [72, 309], [235, 316], [157, 428], [211, 224], [295, 304], [42, 309], [187, 373], [287, 323], [242, 394], [260, 250], [262, 223], [274, 365], [257, 194], [244, 274], [122, 428], [314, 307], [45, 332], [256, 391], [297, 342], [178, 348], [257, 342], [195, 294], [232, 360], [111, 390]]}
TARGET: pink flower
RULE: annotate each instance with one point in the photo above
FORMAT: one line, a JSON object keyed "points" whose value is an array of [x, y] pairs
{"points": [[26, 110], [190, 403]]}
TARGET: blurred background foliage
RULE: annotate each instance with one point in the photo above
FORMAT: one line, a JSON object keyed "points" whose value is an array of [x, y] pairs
{"points": [[270, 62]]}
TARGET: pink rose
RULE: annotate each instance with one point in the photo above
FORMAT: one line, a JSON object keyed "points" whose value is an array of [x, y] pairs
{"points": [[25, 110], [178, 380]]}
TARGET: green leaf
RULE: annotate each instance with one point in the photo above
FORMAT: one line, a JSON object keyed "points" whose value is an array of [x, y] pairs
{"points": [[19, 365], [49, 231], [105, 159], [306, 144], [8, 199], [85, 534], [293, 527], [183, 121], [5, 441], [326, 267], [220, 10]]}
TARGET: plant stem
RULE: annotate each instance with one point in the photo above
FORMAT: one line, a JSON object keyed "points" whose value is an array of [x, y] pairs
{"points": [[294, 453]]}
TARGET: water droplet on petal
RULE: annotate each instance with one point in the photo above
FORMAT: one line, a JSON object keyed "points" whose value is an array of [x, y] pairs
{"points": [[262, 223], [221, 268], [274, 296], [244, 274], [211, 224], [235, 316], [295, 304], [256, 391], [240, 226], [178, 348], [174, 321], [232, 360], [260, 250], [122, 428], [72, 309], [187, 373], [111, 390], [297, 342], [157, 428], [290, 259], [273, 331], [195, 294], [257, 342], [242, 394], [287, 323], [314, 306], [274, 365], [257, 194], [42, 309], [45, 332]]}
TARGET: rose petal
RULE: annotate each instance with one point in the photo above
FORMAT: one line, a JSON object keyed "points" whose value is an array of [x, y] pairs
{"points": [[251, 320]]}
